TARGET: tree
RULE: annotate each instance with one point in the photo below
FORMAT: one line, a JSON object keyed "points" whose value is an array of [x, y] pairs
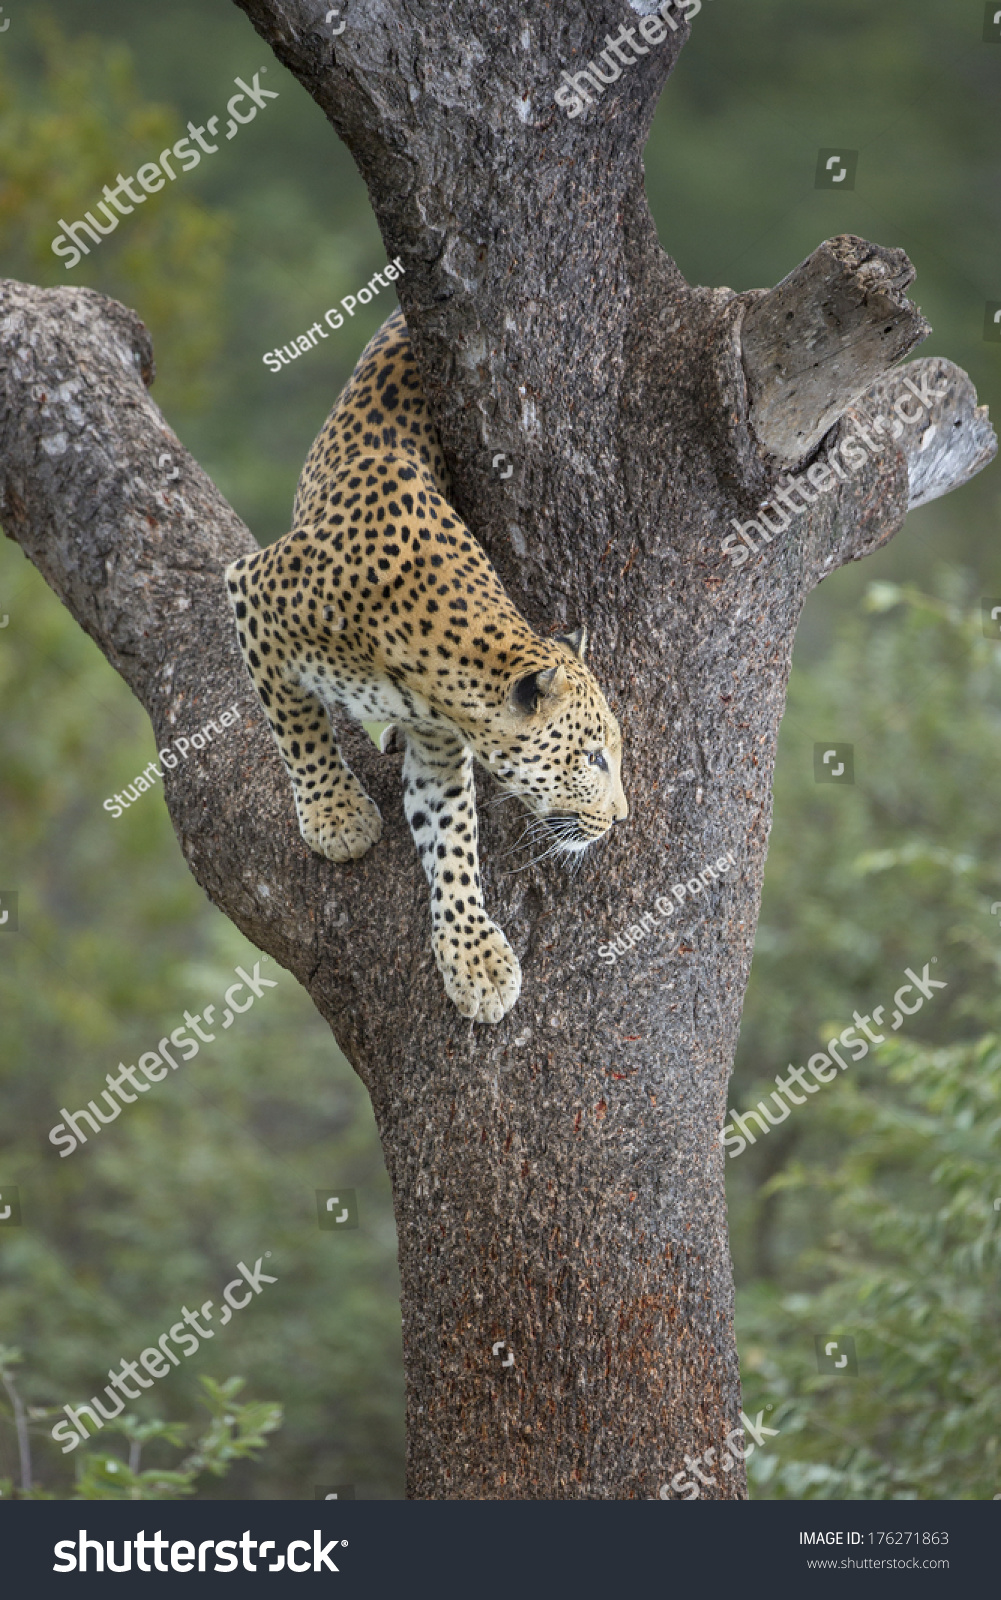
{"points": [[558, 1179]]}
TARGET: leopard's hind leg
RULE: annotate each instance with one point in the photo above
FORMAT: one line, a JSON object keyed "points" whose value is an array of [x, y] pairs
{"points": [[336, 817]]}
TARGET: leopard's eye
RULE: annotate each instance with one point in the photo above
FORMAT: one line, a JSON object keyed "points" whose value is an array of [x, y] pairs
{"points": [[595, 758]]}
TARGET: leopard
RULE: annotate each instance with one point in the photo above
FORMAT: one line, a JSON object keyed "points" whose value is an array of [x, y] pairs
{"points": [[379, 603]]}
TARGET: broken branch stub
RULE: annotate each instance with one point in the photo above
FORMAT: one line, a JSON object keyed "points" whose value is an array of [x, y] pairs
{"points": [[947, 439], [816, 342]]}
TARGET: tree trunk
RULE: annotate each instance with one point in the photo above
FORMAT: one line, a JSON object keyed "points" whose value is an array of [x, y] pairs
{"points": [[558, 1181]]}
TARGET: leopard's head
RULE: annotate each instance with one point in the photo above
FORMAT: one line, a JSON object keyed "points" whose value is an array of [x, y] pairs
{"points": [[555, 743]]}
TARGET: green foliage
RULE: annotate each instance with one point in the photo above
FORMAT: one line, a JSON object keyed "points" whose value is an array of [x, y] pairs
{"points": [[908, 1267], [868, 1212], [236, 1432], [865, 881], [61, 141]]}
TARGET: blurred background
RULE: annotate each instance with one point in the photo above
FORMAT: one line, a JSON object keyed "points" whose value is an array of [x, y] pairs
{"points": [[869, 1214]]}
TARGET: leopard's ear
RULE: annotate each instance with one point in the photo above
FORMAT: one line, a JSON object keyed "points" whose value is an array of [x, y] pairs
{"points": [[539, 690], [576, 641]]}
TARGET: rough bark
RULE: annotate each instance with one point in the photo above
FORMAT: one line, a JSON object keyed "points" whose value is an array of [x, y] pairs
{"points": [[557, 1179]]}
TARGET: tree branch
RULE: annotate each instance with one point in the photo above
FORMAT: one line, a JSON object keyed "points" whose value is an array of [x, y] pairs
{"points": [[137, 556], [815, 343], [946, 442]]}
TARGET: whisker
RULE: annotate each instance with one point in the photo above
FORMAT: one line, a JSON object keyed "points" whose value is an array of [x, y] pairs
{"points": [[534, 861], [514, 794], [526, 833], [564, 836], [537, 825]]}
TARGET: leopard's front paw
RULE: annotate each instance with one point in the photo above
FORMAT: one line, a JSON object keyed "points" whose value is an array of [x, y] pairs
{"points": [[484, 981], [346, 835]]}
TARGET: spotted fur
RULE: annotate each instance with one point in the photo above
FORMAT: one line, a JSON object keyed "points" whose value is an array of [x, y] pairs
{"points": [[380, 602]]}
